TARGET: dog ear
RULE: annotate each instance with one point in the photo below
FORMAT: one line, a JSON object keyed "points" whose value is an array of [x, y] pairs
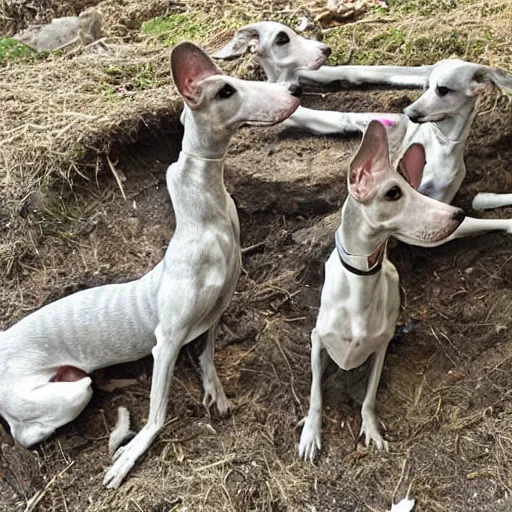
{"points": [[480, 82], [412, 163], [371, 158], [190, 65], [245, 39], [486, 77]]}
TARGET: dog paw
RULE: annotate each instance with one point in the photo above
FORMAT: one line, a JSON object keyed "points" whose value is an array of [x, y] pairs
{"points": [[214, 394], [370, 430], [123, 462], [224, 405], [125, 457], [310, 440]]}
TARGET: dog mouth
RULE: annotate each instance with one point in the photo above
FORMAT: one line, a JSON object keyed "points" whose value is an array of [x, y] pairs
{"points": [[430, 241], [318, 63], [278, 118], [432, 118]]}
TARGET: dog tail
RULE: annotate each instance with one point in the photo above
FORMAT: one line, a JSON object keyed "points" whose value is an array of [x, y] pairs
{"points": [[121, 432]]}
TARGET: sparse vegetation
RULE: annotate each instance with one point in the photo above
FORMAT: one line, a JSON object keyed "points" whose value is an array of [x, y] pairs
{"points": [[169, 30], [14, 51], [398, 43]]}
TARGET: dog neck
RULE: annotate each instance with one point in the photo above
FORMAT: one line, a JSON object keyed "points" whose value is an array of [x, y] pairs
{"points": [[192, 156], [274, 74], [201, 140], [455, 129], [197, 190], [360, 265], [360, 248]]}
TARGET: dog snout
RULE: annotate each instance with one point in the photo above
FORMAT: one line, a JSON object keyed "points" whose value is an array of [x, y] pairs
{"points": [[413, 115], [326, 50], [295, 90], [459, 216]]}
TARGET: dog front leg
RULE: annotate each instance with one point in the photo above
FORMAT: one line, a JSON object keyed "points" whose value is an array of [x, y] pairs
{"points": [[486, 201], [324, 122], [471, 227], [351, 76], [165, 353], [310, 439], [370, 423]]}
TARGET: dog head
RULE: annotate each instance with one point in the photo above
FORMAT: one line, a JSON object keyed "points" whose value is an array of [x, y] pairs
{"points": [[224, 103], [452, 89], [281, 51], [388, 198]]}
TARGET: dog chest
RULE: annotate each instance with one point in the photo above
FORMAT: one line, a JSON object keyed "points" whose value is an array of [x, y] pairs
{"points": [[350, 341], [357, 314]]}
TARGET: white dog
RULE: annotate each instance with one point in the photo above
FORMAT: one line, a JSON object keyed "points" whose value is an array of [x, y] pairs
{"points": [[360, 297], [45, 358]]}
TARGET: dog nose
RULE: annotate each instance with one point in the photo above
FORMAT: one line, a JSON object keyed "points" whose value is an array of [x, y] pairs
{"points": [[459, 216], [412, 115], [295, 90], [326, 50]]}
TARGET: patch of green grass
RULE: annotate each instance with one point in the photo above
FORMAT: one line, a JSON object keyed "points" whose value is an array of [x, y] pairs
{"points": [[134, 77], [170, 30], [375, 46], [14, 51], [424, 7], [79, 152], [398, 47], [147, 77], [110, 93], [432, 8], [193, 26]]}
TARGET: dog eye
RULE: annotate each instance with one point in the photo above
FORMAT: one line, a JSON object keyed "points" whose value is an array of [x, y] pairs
{"points": [[442, 91], [394, 194], [282, 39], [226, 92]]}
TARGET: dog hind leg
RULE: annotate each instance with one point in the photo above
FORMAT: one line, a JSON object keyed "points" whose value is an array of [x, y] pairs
{"points": [[213, 389], [47, 408]]}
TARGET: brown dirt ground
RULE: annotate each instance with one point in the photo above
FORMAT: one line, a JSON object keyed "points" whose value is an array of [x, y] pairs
{"points": [[445, 396]]}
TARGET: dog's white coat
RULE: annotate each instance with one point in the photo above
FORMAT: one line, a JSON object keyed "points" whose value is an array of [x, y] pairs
{"points": [[358, 314], [121, 430], [182, 298], [486, 201], [406, 505]]}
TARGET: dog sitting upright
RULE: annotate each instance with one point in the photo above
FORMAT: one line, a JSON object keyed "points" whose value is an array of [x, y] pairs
{"points": [[46, 357], [360, 297]]}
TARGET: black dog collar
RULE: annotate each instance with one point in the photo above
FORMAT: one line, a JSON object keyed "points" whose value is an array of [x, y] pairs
{"points": [[360, 265]]}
